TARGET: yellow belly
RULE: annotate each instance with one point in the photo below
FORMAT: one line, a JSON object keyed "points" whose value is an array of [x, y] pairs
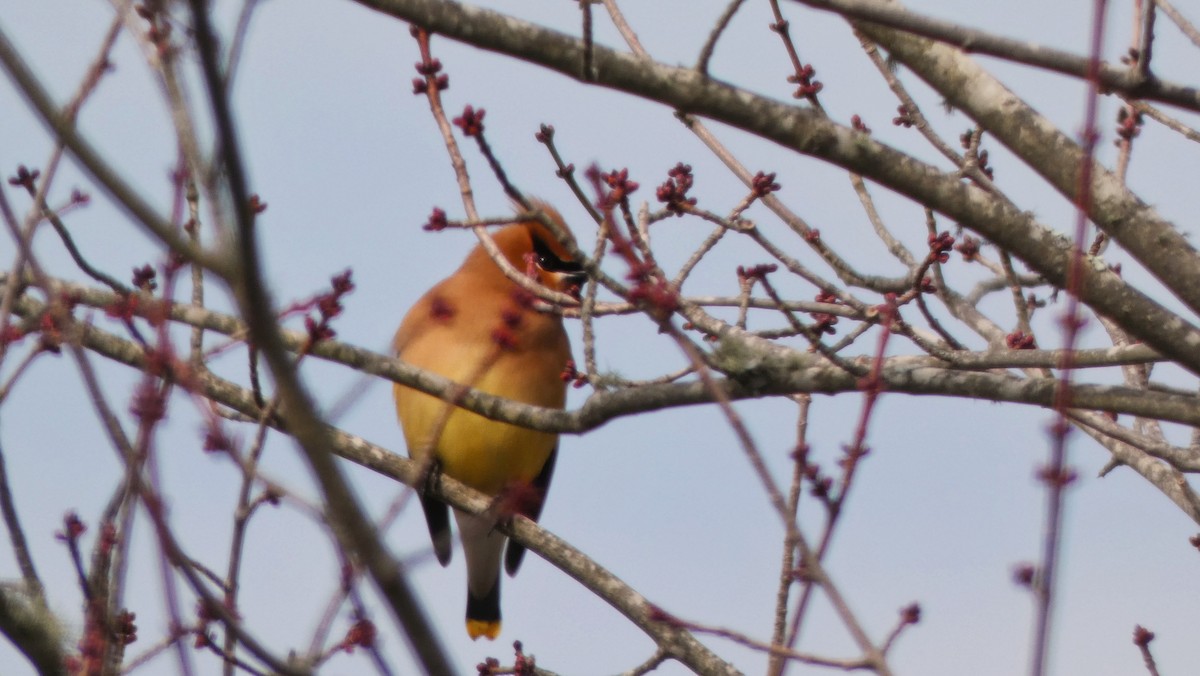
{"points": [[458, 343], [484, 454]]}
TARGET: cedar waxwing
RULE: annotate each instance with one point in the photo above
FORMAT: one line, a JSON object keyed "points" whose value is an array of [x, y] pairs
{"points": [[479, 329]]}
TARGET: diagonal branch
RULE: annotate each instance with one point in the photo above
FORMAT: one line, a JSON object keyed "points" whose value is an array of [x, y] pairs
{"points": [[93, 162], [678, 643], [890, 15], [809, 133], [350, 522], [1155, 242]]}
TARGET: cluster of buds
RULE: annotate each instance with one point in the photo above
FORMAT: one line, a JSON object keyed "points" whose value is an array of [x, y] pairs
{"points": [[429, 71], [807, 87], [437, 221], [967, 141], [969, 248], [144, 278], [124, 628], [571, 374], [523, 665], [159, 33], [757, 273], [124, 308], [1019, 340], [982, 161], [428, 68], [329, 305], [96, 638], [51, 332], [25, 178], [53, 322], [620, 185], [763, 184], [673, 191], [257, 205], [823, 321], [149, 404], [651, 290], [206, 614], [216, 439], [1129, 124], [362, 634], [73, 528], [1057, 477], [822, 486], [471, 121], [1025, 575], [940, 245]]}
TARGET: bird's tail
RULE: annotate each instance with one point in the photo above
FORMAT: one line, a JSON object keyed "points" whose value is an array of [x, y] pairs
{"points": [[482, 547], [483, 614]]}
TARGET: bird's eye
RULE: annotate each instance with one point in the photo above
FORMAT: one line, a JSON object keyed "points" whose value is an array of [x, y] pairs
{"points": [[548, 261]]}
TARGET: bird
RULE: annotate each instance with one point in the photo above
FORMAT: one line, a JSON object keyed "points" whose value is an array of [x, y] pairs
{"points": [[480, 329]]}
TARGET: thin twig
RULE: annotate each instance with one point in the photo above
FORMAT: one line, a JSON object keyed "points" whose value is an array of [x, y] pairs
{"points": [[623, 27], [1188, 28], [1056, 473], [1166, 120], [16, 538], [355, 531], [710, 45], [787, 572]]}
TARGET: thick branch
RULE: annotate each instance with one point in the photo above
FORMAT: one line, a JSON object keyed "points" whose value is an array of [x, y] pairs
{"points": [[1155, 242], [809, 133], [30, 627], [895, 16], [773, 371]]}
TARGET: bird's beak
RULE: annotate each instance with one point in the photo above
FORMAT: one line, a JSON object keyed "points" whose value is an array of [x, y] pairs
{"points": [[573, 283]]}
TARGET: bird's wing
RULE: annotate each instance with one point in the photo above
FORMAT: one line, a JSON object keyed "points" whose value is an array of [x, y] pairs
{"points": [[437, 517], [541, 484]]}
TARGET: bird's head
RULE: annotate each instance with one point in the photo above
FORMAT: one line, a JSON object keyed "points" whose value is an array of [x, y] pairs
{"points": [[531, 247], [553, 265]]}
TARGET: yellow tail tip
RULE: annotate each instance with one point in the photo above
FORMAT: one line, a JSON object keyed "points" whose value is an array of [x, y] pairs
{"points": [[477, 628]]}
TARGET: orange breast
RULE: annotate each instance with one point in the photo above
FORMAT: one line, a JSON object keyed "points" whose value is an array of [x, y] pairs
{"points": [[477, 335]]}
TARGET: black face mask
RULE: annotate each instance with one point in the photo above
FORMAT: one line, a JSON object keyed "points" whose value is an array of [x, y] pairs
{"points": [[548, 261]]}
